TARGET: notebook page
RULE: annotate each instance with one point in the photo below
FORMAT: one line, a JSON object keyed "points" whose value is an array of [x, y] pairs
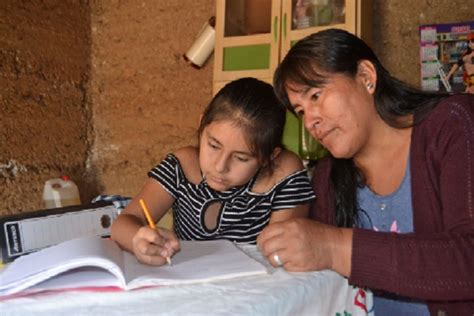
{"points": [[198, 261], [36, 267]]}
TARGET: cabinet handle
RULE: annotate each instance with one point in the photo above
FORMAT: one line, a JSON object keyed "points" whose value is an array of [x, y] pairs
{"points": [[284, 27], [275, 27]]}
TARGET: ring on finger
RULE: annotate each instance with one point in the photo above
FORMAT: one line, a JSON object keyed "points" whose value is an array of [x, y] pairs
{"points": [[277, 259]]}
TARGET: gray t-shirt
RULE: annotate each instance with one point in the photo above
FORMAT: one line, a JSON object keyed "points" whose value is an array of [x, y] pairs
{"points": [[393, 213]]}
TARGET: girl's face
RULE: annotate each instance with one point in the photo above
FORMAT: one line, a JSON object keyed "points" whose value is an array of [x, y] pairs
{"points": [[338, 114], [224, 157]]}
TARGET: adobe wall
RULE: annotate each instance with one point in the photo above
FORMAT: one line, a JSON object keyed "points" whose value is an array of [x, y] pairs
{"points": [[45, 116], [98, 89]]}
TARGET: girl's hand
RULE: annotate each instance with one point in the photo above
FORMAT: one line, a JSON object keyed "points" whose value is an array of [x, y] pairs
{"points": [[307, 245], [153, 246]]}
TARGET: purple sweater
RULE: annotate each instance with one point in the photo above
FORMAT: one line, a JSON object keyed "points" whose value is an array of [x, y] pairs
{"points": [[436, 262]]}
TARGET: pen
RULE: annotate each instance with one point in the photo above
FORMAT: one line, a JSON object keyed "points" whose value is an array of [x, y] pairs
{"points": [[151, 223]]}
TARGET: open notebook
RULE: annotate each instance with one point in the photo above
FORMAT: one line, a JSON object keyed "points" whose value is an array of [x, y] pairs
{"points": [[98, 263]]}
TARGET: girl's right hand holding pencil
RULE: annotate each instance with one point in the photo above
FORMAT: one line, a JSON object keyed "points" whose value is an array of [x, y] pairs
{"points": [[155, 246]]}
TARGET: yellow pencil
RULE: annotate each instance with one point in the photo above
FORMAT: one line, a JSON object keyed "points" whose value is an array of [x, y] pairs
{"points": [[151, 223]]}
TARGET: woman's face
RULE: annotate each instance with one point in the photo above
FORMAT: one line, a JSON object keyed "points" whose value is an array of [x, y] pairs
{"points": [[224, 157], [340, 114]]}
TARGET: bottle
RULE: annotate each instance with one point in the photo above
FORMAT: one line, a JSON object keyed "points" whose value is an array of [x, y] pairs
{"points": [[60, 192]]}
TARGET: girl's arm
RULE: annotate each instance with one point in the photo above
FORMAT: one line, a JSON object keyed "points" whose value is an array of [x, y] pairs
{"points": [[131, 232], [283, 215]]}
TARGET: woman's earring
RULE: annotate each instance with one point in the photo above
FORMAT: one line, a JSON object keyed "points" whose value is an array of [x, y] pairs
{"points": [[370, 86]]}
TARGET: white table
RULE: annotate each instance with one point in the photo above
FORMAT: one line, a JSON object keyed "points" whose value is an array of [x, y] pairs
{"points": [[279, 293]]}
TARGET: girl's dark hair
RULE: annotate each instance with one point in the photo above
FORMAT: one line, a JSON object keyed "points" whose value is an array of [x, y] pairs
{"points": [[312, 60], [251, 105]]}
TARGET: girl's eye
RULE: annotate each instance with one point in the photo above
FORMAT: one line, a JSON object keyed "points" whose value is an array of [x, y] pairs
{"points": [[213, 146], [242, 159]]}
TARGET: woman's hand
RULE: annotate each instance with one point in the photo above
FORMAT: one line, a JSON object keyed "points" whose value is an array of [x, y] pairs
{"points": [[307, 245], [153, 246]]}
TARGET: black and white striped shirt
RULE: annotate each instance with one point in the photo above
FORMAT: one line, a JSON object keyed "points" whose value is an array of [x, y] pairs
{"points": [[243, 213]]}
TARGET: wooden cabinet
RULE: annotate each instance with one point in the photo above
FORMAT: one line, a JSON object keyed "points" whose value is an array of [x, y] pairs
{"points": [[253, 36]]}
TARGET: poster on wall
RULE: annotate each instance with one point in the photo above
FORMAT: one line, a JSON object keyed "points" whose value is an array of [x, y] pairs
{"points": [[442, 46]]}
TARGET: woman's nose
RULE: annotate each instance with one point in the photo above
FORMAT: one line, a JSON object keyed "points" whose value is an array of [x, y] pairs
{"points": [[306, 122], [312, 114], [311, 121]]}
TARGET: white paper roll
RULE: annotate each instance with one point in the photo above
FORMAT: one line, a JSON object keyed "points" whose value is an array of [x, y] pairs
{"points": [[202, 47]]}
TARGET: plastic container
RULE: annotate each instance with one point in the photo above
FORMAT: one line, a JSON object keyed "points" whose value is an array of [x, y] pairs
{"points": [[60, 192]]}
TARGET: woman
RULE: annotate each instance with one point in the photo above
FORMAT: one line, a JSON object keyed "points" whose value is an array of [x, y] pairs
{"points": [[394, 208]]}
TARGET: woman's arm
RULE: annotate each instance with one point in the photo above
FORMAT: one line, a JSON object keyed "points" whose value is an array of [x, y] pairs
{"points": [[308, 245]]}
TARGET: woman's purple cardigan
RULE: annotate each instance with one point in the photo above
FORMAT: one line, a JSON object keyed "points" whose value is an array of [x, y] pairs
{"points": [[436, 262]]}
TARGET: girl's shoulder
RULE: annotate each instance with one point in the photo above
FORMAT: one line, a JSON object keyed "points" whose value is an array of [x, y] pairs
{"points": [[284, 165], [188, 158], [287, 163]]}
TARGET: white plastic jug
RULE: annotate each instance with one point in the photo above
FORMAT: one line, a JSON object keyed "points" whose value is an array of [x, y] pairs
{"points": [[60, 192]]}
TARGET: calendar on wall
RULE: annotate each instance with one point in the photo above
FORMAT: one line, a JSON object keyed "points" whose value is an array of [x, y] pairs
{"points": [[441, 46]]}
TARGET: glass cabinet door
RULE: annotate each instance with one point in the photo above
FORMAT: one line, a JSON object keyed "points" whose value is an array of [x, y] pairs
{"points": [[310, 13], [247, 38], [247, 17], [303, 17]]}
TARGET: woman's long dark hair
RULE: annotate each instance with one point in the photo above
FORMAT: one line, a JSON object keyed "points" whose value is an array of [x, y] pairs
{"points": [[311, 60]]}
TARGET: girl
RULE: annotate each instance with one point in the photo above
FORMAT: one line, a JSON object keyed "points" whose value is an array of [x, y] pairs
{"points": [[235, 183]]}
